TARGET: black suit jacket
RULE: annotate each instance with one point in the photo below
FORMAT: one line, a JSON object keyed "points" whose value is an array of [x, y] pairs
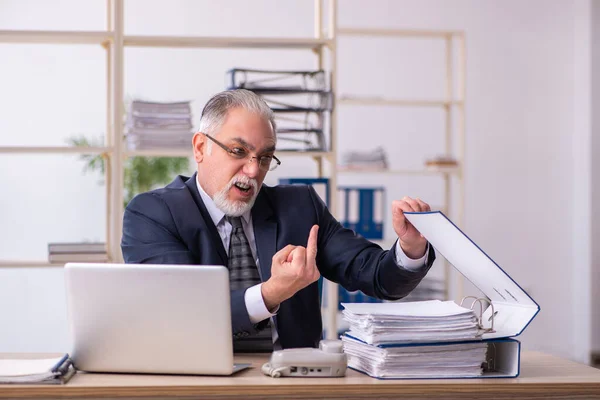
{"points": [[172, 226]]}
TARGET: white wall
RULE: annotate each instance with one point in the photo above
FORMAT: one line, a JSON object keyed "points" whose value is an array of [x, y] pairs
{"points": [[521, 125]]}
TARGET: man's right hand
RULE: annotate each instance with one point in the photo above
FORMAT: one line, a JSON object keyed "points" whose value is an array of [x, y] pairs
{"points": [[293, 268]]}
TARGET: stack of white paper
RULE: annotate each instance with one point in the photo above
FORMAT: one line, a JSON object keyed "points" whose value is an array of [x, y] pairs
{"points": [[47, 370], [413, 339], [457, 360], [152, 125], [410, 322]]}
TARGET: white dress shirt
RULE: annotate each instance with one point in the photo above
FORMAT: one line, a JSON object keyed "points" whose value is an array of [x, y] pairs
{"points": [[255, 305]]}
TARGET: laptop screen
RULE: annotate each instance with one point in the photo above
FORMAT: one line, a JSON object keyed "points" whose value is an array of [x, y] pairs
{"points": [[142, 318]]}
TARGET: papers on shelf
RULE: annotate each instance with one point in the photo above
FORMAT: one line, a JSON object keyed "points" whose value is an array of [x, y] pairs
{"points": [[365, 159], [410, 322], [455, 360], [152, 125], [48, 370]]}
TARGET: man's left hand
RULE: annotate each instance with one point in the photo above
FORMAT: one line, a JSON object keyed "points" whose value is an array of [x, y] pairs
{"points": [[412, 242]]}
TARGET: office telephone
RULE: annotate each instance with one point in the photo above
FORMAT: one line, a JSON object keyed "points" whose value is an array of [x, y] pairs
{"points": [[329, 360]]}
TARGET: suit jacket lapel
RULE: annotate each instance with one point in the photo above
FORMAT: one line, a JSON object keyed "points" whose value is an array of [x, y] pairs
{"points": [[210, 226], [265, 233]]}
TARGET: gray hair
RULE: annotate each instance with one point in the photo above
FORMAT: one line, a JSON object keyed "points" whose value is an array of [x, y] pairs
{"points": [[216, 109]]}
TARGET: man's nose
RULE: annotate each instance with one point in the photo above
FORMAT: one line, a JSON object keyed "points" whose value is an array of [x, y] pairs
{"points": [[251, 167]]}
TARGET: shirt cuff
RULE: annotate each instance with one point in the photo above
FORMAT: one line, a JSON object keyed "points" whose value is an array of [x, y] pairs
{"points": [[404, 261], [257, 310]]}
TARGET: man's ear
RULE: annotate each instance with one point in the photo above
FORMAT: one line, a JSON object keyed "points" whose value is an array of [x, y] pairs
{"points": [[199, 144]]}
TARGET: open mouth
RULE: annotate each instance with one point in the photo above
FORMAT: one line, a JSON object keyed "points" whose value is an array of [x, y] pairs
{"points": [[243, 189]]}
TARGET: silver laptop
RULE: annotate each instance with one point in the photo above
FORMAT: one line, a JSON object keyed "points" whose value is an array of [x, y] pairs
{"points": [[164, 319]]}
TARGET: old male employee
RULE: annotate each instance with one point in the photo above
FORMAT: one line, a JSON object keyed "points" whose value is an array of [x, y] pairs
{"points": [[275, 241]]}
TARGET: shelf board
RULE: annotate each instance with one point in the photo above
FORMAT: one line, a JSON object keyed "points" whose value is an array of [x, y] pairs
{"points": [[426, 171], [159, 153], [291, 153], [53, 150], [397, 32], [189, 153], [381, 101], [101, 37], [224, 42], [55, 37]]}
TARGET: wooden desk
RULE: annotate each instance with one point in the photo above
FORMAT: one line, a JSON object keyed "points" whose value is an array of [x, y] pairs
{"points": [[542, 377]]}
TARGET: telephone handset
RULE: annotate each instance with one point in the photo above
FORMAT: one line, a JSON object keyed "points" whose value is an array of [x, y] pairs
{"points": [[329, 360]]}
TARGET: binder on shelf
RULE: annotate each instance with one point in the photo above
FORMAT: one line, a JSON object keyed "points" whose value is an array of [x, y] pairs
{"points": [[286, 91], [362, 210], [503, 314], [278, 81], [299, 100], [321, 185]]}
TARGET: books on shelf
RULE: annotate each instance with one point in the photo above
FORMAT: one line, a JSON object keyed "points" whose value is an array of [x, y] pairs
{"points": [[153, 125], [37, 371], [77, 252], [441, 162], [300, 101], [76, 247]]}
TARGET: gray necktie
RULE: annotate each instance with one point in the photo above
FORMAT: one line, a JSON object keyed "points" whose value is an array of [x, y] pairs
{"points": [[243, 274], [242, 268]]}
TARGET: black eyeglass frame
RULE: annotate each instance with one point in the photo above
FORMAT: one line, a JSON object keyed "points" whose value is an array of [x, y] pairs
{"points": [[240, 156]]}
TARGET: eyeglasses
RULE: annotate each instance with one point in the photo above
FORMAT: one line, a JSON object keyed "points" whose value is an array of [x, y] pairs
{"points": [[266, 163]]}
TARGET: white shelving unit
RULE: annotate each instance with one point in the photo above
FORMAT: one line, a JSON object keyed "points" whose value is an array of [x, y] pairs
{"points": [[324, 47], [454, 100], [114, 41]]}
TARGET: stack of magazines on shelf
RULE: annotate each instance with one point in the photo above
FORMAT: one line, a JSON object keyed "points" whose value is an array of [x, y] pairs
{"points": [[441, 339], [152, 125], [300, 100], [60, 253], [375, 159]]}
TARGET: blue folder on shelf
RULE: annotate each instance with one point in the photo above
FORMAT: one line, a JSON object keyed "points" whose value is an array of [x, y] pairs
{"points": [[504, 313], [362, 210], [510, 308]]}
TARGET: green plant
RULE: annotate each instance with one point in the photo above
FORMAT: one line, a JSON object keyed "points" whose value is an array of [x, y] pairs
{"points": [[140, 173]]}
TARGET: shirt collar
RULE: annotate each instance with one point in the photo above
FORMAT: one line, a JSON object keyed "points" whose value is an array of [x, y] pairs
{"points": [[215, 212]]}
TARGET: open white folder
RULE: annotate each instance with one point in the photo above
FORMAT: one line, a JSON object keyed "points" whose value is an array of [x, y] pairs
{"points": [[512, 308]]}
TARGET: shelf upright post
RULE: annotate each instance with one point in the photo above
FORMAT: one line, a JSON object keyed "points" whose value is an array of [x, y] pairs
{"points": [[116, 161], [332, 288], [108, 135]]}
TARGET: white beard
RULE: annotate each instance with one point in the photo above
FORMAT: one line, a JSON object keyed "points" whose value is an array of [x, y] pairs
{"points": [[235, 208]]}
